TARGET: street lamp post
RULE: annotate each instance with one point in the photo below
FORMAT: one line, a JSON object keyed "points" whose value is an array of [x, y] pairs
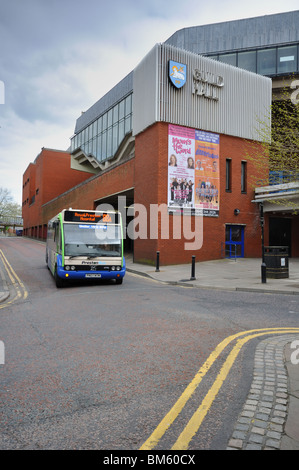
{"points": [[263, 267]]}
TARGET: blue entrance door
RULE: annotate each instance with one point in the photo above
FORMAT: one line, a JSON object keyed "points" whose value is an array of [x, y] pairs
{"points": [[234, 241]]}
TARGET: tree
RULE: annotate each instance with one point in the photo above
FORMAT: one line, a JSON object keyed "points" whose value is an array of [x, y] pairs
{"points": [[276, 158], [8, 208], [284, 147]]}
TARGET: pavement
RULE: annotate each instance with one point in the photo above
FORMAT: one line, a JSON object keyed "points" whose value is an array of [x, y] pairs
{"points": [[270, 416], [241, 274]]}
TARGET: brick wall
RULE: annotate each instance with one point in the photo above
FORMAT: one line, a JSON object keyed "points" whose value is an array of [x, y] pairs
{"points": [[85, 195], [49, 176], [148, 174], [151, 180]]}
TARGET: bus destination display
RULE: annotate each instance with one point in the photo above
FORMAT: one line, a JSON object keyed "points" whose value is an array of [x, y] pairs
{"points": [[87, 217]]}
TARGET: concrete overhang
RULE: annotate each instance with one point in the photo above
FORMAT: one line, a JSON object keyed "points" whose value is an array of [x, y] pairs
{"points": [[279, 197], [87, 162]]}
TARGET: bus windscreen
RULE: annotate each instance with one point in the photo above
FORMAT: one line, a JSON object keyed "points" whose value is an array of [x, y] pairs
{"points": [[92, 240]]}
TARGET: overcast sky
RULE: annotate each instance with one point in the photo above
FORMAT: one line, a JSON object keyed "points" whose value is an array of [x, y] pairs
{"points": [[58, 57]]}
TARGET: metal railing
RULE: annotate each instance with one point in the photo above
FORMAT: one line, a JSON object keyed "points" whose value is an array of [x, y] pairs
{"points": [[228, 250], [10, 220]]}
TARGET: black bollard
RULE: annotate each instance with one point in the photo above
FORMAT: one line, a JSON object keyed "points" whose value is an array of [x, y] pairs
{"points": [[264, 273], [158, 262], [192, 278]]}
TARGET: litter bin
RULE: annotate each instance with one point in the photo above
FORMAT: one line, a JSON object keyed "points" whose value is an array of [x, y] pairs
{"points": [[277, 262]]}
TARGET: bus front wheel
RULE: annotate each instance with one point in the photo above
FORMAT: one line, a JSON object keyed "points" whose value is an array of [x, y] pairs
{"points": [[58, 280]]}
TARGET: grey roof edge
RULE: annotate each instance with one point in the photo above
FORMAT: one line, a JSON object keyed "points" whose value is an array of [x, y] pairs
{"points": [[251, 18], [216, 37]]}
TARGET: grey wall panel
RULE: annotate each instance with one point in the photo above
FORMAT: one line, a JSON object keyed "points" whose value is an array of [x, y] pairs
{"points": [[145, 91], [260, 31], [244, 99]]}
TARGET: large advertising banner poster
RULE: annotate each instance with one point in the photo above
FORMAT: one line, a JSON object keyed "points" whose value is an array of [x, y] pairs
{"points": [[207, 182], [181, 148], [193, 171]]}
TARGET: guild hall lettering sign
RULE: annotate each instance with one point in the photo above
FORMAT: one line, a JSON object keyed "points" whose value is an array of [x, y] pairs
{"points": [[207, 84]]}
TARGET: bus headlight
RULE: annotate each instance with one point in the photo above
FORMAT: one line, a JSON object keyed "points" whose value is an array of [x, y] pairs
{"points": [[67, 268], [112, 268], [73, 268], [118, 268]]}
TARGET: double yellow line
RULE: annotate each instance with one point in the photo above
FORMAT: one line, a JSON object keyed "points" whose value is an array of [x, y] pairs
{"points": [[19, 288], [196, 420]]}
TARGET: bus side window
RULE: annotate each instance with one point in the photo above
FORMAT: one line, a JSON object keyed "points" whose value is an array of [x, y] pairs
{"points": [[54, 227], [58, 237]]}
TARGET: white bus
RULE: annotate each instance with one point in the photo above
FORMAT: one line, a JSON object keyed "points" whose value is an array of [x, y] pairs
{"points": [[85, 245]]}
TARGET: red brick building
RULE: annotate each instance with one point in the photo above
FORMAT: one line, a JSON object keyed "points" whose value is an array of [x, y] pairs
{"points": [[49, 176], [126, 140]]}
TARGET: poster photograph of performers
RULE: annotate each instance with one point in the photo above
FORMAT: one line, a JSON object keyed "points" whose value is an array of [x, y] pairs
{"points": [[193, 171]]}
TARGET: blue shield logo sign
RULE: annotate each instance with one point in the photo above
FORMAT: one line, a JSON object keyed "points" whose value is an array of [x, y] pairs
{"points": [[177, 73]]}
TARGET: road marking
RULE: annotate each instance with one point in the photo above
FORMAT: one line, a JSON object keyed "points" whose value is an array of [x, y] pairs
{"points": [[21, 291], [196, 420]]}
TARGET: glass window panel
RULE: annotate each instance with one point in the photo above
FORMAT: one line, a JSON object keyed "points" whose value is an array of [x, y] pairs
{"points": [[243, 177], [121, 109], [79, 139], [128, 126], [89, 147], [236, 233], [109, 142], [98, 148], [227, 233], [230, 59], [128, 105], [215, 57], [104, 121], [287, 59], [228, 175], [109, 123], [266, 62], [121, 130], [84, 139], [94, 128], [247, 60], [104, 145], [115, 114], [94, 147], [100, 121], [114, 138]]}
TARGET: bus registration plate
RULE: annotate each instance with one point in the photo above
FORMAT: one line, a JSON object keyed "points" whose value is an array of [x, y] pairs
{"points": [[93, 275]]}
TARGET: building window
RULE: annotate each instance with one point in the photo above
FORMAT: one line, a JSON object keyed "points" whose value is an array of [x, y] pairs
{"points": [[266, 62], [230, 59], [247, 61], [243, 177], [228, 180], [102, 137], [287, 59]]}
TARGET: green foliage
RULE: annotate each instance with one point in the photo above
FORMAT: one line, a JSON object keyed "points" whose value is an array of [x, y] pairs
{"points": [[278, 149]]}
